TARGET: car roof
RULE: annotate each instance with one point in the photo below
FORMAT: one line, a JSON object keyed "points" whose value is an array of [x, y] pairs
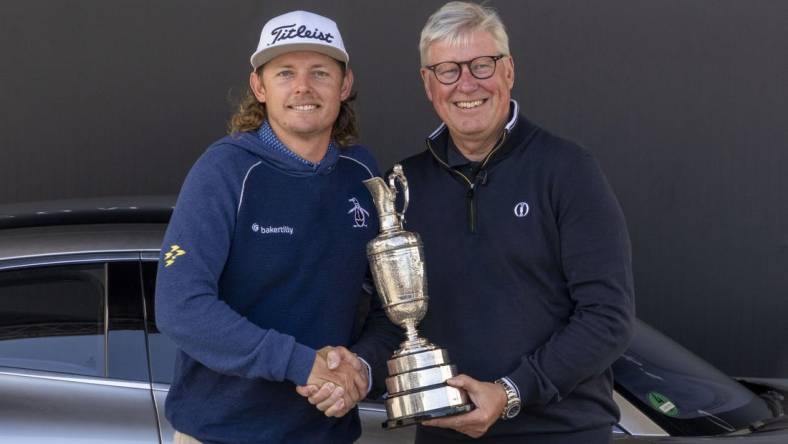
{"points": [[98, 225], [21, 243], [101, 210]]}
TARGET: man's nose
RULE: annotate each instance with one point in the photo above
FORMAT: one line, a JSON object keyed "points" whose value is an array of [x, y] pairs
{"points": [[303, 84], [467, 82]]}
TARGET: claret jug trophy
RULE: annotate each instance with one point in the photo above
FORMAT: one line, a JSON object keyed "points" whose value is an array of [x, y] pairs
{"points": [[418, 370]]}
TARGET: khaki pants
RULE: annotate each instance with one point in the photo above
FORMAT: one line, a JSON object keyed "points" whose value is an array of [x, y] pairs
{"points": [[181, 438]]}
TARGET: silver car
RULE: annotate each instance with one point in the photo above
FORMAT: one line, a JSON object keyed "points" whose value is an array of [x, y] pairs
{"points": [[81, 359]]}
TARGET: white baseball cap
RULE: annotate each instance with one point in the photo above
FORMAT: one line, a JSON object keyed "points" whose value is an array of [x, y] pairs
{"points": [[299, 31]]}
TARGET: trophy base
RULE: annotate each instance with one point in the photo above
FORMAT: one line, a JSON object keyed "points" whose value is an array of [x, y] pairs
{"points": [[419, 403], [437, 413]]}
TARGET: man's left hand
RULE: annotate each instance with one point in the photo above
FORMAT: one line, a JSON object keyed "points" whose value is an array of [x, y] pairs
{"points": [[330, 399], [489, 398]]}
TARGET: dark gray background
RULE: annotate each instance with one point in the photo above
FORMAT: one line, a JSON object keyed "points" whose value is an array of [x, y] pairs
{"points": [[683, 102]]}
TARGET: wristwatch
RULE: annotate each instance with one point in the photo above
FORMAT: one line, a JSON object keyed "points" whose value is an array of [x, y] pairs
{"points": [[513, 402]]}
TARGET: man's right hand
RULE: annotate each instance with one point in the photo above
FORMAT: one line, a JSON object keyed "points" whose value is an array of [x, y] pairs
{"points": [[337, 382]]}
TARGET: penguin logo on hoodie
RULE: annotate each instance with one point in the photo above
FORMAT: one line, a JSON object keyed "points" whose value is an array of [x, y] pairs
{"points": [[359, 214]]}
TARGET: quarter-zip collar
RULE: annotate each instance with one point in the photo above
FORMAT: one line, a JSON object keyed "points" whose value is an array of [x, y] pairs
{"points": [[438, 141]]}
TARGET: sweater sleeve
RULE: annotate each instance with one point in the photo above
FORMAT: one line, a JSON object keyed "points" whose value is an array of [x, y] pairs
{"points": [[188, 307], [596, 261]]}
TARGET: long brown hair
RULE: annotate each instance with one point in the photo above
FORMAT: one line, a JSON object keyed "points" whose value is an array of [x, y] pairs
{"points": [[251, 114]]}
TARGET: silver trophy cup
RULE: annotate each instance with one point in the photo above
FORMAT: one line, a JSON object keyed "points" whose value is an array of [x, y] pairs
{"points": [[418, 370]]}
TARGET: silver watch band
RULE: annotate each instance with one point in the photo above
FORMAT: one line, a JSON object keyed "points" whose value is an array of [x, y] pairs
{"points": [[513, 401]]}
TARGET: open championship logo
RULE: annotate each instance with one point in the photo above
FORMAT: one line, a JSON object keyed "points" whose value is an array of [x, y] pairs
{"points": [[521, 209]]}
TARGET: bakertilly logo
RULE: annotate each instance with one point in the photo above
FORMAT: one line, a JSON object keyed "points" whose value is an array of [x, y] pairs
{"points": [[284, 229]]}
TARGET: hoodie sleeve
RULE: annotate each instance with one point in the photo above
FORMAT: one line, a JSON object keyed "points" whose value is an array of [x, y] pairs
{"points": [[596, 260], [194, 252]]}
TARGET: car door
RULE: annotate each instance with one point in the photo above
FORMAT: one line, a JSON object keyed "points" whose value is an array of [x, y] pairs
{"points": [[72, 352], [160, 348]]}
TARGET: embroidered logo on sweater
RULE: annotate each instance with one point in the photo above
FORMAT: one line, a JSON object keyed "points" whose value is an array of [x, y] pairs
{"points": [[284, 229], [174, 253], [359, 214], [521, 209]]}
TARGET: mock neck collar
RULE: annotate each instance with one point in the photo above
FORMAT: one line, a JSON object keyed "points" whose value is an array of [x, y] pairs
{"points": [[454, 156], [285, 155]]}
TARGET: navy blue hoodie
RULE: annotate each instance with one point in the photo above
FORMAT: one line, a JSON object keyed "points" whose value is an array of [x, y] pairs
{"points": [[262, 264]]}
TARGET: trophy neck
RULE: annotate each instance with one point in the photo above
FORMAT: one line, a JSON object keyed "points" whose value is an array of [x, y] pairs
{"points": [[411, 334], [413, 343], [384, 199], [390, 223]]}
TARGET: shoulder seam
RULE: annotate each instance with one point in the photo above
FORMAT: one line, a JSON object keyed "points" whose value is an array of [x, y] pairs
{"points": [[243, 187], [360, 163]]}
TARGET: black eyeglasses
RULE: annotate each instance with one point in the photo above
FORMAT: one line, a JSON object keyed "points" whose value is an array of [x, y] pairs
{"points": [[481, 67]]}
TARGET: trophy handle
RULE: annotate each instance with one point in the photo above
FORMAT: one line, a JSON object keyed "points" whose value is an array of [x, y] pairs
{"points": [[397, 174]]}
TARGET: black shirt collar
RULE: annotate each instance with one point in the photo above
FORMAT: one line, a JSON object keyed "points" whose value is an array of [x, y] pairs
{"points": [[454, 157]]}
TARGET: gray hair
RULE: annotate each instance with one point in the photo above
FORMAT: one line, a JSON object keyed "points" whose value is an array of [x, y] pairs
{"points": [[455, 21]]}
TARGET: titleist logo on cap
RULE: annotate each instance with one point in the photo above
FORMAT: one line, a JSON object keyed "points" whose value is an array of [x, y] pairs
{"points": [[291, 32], [299, 31]]}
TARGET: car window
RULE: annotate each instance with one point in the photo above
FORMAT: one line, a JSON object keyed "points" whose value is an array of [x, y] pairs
{"points": [[127, 357], [162, 350], [52, 318]]}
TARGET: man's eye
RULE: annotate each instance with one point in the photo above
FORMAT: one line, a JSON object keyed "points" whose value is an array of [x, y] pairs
{"points": [[450, 70], [285, 73], [321, 74]]}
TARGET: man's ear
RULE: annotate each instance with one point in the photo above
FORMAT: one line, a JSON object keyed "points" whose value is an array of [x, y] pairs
{"points": [[347, 84], [256, 85], [509, 63], [425, 79]]}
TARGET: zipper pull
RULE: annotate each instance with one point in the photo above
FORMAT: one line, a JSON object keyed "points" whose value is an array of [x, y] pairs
{"points": [[471, 212]]}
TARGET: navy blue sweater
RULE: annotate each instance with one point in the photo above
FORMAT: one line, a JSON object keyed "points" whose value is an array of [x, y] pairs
{"points": [[263, 263], [529, 276]]}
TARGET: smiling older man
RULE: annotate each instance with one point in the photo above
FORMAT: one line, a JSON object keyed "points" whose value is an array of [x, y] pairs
{"points": [[528, 253]]}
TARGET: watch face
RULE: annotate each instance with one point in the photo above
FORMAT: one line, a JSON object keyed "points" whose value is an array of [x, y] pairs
{"points": [[512, 411]]}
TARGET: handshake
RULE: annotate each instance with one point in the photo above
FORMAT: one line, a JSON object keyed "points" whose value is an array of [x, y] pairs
{"points": [[337, 382]]}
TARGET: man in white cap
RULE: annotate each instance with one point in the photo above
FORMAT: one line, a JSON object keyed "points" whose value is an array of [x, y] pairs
{"points": [[264, 258]]}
